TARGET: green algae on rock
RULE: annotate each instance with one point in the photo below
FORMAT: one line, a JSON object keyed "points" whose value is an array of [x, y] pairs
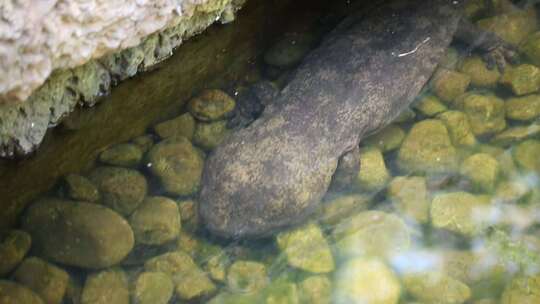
{"points": [[210, 135], [512, 27], [366, 280], [371, 233], [483, 170], [460, 212], [334, 209], [247, 276], [13, 293], [123, 155], [144, 142], [486, 113], [523, 108], [315, 290], [388, 139], [289, 50], [515, 134], [373, 174], [531, 48], [526, 155], [409, 195], [77, 233], [307, 249], [183, 125], [177, 165], [45, 279], [106, 287], [152, 288], [481, 75], [436, 287], [430, 105], [459, 128], [448, 84], [211, 105], [427, 148], [122, 189], [189, 280], [522, 290], [523, 79], [156, 221], [80, 188], [14, 245]]}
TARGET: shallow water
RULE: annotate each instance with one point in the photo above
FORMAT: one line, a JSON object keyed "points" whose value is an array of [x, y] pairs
{"points": [[445, 207]]}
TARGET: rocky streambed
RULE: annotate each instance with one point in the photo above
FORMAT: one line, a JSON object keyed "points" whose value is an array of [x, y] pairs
{"points": [[445, 207]]}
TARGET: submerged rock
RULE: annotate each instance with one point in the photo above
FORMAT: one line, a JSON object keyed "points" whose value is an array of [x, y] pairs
{"points": [[516, 134], [373, 174], [121, 189], [366, 280], [189, 280], [485, 112], [289, 50], [522, 290], [106, 287], [523, 108], [152, 288], [210, 135], [45, 279], [183, 125], [430, 106], [79, 188], [315, 290], [371, 233], [211, 105], [337, 208], [156, 221], [436, 287], [512, 27], [307, 249], [459, 128], [388, 139], [123, 155], [13, 248], [481, 75], [427, 148], [247, 276], [460, 212], [483, 170], [144, 142], [523, 79], [531, 48], [13, 293], [177, 165], [410, 196], [526, 155], [448, 84], [78, 234]]}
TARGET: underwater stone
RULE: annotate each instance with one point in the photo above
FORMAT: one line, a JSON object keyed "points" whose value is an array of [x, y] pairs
{"points": [[526, 155], [512, 27], [409, 195], [210, 135], [448, 84], [366, 280], [45, 279], [106, 287], [459, 212], [430, 105], [516, 134], [183, 125], [512, 191], [80, 188], [406, 115], [522, 290], [13, 247], [427, 148], [289, 50], [152, 288], [189, 280], [523, 79], [373, 174], [337, 208], [531, 48], [211, 105], [247, 276], [436, 287], [122, 189], [216, 266], [483, 170], [13, 293], [188, 214], [523, 108], [78, 234], [90, 81], [486, 113], [481, 75], [281, 292], [371, 233], [156, 221], [307, 249], [144, 142], [459, 128], [123, 155], [315, 290], [177, 165], [388, 139]]}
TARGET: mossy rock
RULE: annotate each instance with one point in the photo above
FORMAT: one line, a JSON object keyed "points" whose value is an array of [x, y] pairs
{"points": [[516, 134], [512, 27], [436, 287], [315, 290], [156, 221], [526, 155], [13, 293], [427, 148], [106, 287], [373, 174], [209, 135], [183, 125], [523, 108], [211, 105], [449, 84], [45, 279], [247, 276], [80, 188], [409, 195], [307, 249], [483, 170], [531, 48], [177, 165], [459, 128], [523, 79], [144, 142], [152, 288], [486, 113], [430, 105], [481, 75], [458, 212], [123, 155], [336, 208], [14, 244], [289, 50], [522, 290], [388, 139]]}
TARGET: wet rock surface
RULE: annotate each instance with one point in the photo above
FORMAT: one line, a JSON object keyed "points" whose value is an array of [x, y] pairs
{"points": [[45, 279], [13, 247], [156, 221], [107, 286], [153, 288], [13, 293]]}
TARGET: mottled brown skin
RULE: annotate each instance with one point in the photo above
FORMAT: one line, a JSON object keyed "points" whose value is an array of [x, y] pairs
{"points": [[274, 173]]}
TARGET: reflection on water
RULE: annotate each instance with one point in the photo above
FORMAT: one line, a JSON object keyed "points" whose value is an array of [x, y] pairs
{"points": [[445, 208]]}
